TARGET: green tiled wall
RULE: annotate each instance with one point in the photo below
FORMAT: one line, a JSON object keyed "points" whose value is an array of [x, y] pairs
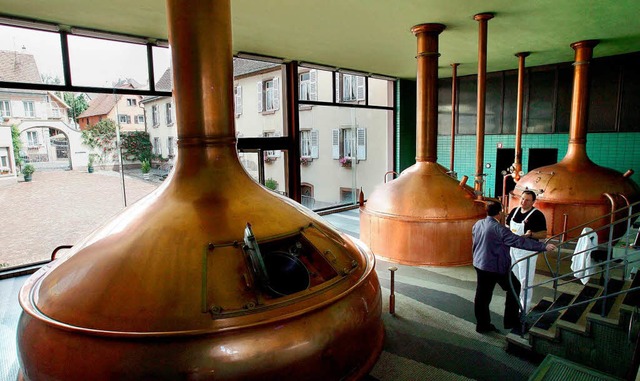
{"points": [[405, 145], [619, 151]]}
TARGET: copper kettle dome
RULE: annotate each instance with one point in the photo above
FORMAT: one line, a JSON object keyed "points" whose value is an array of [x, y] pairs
{"points": [[211, 276], [576, 186], [424, 217]]}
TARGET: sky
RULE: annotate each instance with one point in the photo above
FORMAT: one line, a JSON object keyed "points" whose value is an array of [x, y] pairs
{"points": [[93, 62]]}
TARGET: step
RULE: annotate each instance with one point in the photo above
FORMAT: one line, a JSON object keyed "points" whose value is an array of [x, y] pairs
{"points": [[611, 305], [554, 368], [546, 325], [575, 317], [631, 301]]}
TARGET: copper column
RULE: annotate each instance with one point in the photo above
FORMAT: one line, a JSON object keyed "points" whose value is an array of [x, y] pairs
{"points": [[517, 164], [482, 19]]}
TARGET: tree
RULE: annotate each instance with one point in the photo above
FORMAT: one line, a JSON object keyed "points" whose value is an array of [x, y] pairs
{"points": [[17, 145], [102, 138], [136, 145], [50, 80], [77, 104]]}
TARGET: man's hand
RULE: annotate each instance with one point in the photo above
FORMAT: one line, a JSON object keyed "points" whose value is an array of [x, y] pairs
{"points": [[528, 234], [551, 247]]}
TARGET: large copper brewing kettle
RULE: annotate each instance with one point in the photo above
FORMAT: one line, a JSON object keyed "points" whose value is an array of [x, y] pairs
{"points": [[577, 187], [424, 217], [210, 277]]}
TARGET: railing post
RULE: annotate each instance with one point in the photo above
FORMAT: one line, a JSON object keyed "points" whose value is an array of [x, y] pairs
{"points": [[392, 296]]}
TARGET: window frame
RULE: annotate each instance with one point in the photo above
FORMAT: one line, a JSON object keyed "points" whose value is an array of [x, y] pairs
{"points": [[29, 112], [168, 111], [5, 108]]}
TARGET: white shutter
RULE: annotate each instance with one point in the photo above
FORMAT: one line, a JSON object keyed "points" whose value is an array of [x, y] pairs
{"points": [[314, 144], [338, 77], [276, 93], [259, 88], [360, 88], [238, 100], [361, 142], [335, 143], [313, 86]]}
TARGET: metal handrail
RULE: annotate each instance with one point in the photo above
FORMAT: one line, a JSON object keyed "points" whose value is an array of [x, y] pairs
{"points": [[606, 266]]}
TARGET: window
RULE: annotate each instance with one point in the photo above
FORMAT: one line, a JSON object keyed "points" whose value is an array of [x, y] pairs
{"points": [[309, 143], [349, 142], [157, 149], [122, 118], [237, 106], [140, 119], [32, 138], [272, 154], [4, 158], [29, 109], [131, 102], [170, 146], [168, 113], [308, 86], [55, 111], [268, 95], [5, 109], [154, 115], [349, 88]]}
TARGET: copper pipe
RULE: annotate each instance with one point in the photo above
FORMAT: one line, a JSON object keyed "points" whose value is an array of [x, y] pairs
{"points": [[628, 173], [361, 198], [427, 95], [565, 224], [612, 200], [482, 19], [517, 164], [505, 206], [392, 296], [463, 182], [454, 101], [580, 100]]}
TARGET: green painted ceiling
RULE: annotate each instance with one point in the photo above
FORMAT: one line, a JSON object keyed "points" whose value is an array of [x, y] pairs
{"points": [[373, 35]]}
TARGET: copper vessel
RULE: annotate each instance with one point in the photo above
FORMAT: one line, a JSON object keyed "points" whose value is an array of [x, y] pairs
{"points": [[423, 217], [211, 276], [577, 187]]}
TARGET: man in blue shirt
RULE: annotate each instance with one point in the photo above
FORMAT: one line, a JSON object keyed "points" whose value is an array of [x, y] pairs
{"points": [[492, 261]]}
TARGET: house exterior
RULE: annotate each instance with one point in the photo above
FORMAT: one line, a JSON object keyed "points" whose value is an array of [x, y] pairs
{"points": [[49, 139], [123, 109], [339, 146]]}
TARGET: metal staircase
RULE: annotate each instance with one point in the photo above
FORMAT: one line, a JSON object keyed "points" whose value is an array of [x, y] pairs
{"points": [[590, 316]]}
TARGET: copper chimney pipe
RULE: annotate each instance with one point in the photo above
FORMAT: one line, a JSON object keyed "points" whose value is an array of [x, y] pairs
{"points": [[171, 289], [576, 190], [423, 217], [454, 102], [577, 151], [427, 97], [482, 19], [517, 164]]}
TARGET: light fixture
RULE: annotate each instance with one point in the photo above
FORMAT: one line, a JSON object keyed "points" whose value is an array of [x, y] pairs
{"points": [[24, 23]]}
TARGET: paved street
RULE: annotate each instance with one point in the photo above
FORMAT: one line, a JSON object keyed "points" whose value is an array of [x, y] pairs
{"points": [[60, 208]]}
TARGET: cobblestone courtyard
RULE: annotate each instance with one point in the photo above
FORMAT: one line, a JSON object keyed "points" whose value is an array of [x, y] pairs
{"points": [[60, 208]]}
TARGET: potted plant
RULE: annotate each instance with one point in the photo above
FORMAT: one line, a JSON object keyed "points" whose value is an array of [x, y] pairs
{"points": [[145, 167], [27, 171], [92, 158], [345, 162], [271, 184]]}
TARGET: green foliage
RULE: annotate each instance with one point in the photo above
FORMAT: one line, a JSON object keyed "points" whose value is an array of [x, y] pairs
{"points": [[50, 79], [28, 169], [77, 104], [271, 184], [102, 138], [17, 144], [145, 167], [136, 145], [92, 158]]}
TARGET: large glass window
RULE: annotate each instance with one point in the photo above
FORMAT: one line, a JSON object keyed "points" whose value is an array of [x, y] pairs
{"points": [[36, 53], [103, 63], [258, 90], [5, 108]]}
